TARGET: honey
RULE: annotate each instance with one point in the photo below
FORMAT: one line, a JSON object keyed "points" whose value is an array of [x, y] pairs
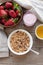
{"points": [[39, 31]]}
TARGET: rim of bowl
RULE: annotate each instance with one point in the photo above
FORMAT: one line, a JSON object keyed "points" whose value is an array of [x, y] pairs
{"points": [[36, 32], [31, 42]]}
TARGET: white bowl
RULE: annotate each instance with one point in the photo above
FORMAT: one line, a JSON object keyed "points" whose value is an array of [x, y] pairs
{"points": [[36, 32], [29, 19], [31, 42]]}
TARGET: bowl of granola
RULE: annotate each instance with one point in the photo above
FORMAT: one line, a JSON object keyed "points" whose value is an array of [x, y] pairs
{"points": [[20, 42]]}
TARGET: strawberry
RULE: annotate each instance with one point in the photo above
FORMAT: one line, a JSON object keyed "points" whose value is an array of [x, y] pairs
{"points": [[17, 12], [1, 7], [3, 13], [3, 21], [12, 13], [7, 11], [9, 22], [13, 7], [8, 5]]}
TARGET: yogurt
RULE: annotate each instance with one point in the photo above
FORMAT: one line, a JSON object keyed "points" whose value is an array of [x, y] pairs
{"points": [[29, 19]]}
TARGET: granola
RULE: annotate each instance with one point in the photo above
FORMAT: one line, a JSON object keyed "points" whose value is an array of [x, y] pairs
{"points": [[19, 41]]}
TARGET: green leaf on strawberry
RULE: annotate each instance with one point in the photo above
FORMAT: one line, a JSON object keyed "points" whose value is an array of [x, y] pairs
{"points": [[16, 6], [16, 20]]}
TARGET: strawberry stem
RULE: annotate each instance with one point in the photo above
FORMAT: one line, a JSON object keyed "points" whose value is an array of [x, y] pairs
{"points": [[15, 20]]}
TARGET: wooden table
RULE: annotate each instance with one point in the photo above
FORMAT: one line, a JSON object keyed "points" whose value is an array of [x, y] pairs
{"points": [[30, 58]]}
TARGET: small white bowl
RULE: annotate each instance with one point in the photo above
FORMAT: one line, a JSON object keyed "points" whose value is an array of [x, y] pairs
{"points": [[31, 42], [36, 32]]}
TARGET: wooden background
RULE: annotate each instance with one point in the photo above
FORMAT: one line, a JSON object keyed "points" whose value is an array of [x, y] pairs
{"points": [[30, 58]]}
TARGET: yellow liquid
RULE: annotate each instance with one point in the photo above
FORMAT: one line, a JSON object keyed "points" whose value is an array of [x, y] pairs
{"points": [[39, 31]]}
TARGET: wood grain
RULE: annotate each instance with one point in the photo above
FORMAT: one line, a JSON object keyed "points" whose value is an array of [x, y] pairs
{"points": [[30, 58]]}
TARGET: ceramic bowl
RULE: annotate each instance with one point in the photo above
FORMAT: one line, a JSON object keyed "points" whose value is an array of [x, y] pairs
{"points": [[29, 48]]}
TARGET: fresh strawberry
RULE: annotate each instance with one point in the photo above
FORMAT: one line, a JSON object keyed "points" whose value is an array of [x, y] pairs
{"points": [[17, 12], [12, 13], [1, 7], [8, 5], [13, 7], [3, 13], [3, 21], [7, 11], [9, 22]]}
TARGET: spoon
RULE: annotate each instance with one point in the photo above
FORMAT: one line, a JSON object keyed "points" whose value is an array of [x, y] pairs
{"points": [[35, 52]]}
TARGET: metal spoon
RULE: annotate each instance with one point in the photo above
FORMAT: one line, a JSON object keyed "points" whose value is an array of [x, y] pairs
{"points": [[35, 52]]}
